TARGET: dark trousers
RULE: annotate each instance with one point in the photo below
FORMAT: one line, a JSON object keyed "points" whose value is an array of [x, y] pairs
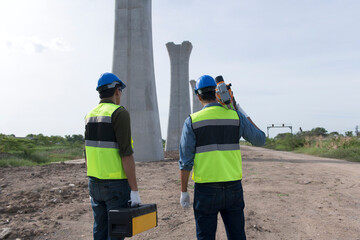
{"points": [[226, 198], [106, 195]]}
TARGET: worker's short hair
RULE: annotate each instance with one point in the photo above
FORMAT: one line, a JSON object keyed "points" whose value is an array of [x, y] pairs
{"points": [[208, 96], [108, 92]]}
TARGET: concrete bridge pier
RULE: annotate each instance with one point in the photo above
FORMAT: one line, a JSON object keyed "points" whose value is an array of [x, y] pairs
{"points": [[179, 107], [196, 104], [133, 63]]}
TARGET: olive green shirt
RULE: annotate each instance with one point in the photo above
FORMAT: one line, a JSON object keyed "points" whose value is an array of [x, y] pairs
{"points": [[121, 124]]}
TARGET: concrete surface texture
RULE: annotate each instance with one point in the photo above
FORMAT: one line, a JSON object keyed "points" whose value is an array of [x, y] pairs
{"points": [[196, 104], [179, 107], [134, 64]]}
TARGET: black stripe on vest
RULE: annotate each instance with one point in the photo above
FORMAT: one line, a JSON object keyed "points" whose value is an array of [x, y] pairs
{"points": [[209, 135], [96, 131]]}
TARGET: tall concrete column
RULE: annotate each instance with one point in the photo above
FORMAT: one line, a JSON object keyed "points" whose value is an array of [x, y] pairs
{"points": [[179, 92], [196, 104], [133, 63]]}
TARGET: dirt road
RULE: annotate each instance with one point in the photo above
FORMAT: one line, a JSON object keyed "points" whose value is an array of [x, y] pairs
{"points": [[287, 196]]}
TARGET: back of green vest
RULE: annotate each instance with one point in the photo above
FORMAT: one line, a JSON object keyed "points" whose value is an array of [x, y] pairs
{"points": [[217, 156], [102, 153]]}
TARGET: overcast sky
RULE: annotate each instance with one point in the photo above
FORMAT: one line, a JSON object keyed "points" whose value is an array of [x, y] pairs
{"points": [[289, 61]]}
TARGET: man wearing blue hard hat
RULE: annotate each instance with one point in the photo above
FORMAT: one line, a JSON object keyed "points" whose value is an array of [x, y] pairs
{"points": [[109, 155], [210, 146]]}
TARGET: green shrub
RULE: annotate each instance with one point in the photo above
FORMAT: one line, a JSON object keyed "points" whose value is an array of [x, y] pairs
{"points": [[14, 161], [334, 146], [351, 154], [285, 142], [39, 149]]}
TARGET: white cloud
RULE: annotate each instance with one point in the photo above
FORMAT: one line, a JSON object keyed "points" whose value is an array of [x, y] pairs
{"points": [[36, 45]]}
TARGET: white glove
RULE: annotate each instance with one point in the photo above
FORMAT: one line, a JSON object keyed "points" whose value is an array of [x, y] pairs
{"points": [[135, 198], [185, 200], [241, 110]]}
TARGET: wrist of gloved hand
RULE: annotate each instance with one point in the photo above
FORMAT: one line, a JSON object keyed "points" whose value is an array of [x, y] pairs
{"points": [[185, 200], [135, 198], [241, 110]]}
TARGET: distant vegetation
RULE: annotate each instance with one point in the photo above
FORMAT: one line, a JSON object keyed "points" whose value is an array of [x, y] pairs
{"points": [[320, 143], [39, 149]]}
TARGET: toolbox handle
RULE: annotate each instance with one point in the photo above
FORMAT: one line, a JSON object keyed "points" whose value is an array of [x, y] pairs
{"points": [[129, 204]]}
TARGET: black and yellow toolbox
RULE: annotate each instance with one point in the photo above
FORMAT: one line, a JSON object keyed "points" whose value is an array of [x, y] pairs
{"points": [[126, 222]]}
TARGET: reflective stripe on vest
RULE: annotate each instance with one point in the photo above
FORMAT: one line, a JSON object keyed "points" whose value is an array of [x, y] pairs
{"points": [[101, 144], [217, 154], [102, 151]]}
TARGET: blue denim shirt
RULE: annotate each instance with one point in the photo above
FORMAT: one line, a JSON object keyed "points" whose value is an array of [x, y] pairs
{"points": [[188, 141]]}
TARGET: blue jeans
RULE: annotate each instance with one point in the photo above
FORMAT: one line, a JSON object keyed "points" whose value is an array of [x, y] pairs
{"points": [[106, 195], [224, 197]]}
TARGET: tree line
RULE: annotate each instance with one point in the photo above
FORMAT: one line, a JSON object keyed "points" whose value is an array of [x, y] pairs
{"points": [[319, 142], [27, 145]]}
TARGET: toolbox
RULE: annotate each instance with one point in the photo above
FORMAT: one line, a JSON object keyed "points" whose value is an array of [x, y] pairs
{"points": [[126, 222]]}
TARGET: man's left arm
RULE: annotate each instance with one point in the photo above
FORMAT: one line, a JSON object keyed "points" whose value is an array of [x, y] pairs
{"points": [[121, 120], [186, 161]]}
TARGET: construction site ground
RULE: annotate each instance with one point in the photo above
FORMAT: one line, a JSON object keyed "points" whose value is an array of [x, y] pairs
{"points": [[287, 196]]}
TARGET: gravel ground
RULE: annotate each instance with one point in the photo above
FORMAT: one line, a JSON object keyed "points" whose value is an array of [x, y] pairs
{"points": [[287, 196]]}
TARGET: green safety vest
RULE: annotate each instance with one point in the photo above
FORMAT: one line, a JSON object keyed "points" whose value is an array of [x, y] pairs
{"points": [[102, 151], [217, 154]]}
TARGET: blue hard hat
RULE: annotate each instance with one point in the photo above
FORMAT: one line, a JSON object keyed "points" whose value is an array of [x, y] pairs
{"points": [[205, 81], [109, 80]]}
